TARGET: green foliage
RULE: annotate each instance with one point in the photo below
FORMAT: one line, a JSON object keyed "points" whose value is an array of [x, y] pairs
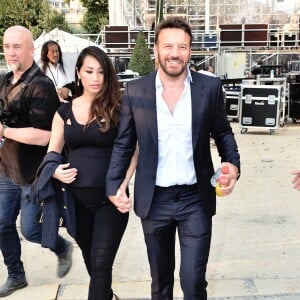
{"points": [[95, 4], [140, 60], [35, 15], [96, 16], [57, 20], [18, 12], [93, 22]]}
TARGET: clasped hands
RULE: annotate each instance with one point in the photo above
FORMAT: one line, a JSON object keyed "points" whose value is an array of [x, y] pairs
{"points": [[121, 201]]}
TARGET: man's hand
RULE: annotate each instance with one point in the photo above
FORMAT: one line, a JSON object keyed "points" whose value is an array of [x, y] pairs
{"points": [[121, 201], [63, 92], [232, 178]]}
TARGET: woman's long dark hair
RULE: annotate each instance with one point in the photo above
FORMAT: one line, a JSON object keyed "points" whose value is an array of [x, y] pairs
{"points": [[44, 52], [107, 104]]}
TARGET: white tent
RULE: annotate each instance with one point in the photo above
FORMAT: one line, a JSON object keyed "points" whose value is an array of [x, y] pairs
{"points": [[70, 46]]}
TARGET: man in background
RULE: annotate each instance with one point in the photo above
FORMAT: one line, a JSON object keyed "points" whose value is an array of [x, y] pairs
{"points": [[53, 66], [208, 70], [256, 69]]}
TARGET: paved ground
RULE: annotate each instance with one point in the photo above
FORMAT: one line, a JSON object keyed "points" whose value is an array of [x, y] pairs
{"points": [[255, 250]]}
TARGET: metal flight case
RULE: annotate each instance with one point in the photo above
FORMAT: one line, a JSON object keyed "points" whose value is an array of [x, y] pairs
{"points": [[284, 101], [294, 95], [294, 90], [232, 103], [232, 89], [260, 107]]}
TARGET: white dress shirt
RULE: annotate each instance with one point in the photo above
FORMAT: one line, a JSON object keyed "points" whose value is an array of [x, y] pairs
{"points": [[175, 149], [57, 75]]}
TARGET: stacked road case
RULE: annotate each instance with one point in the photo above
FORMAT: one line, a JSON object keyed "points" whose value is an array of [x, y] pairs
{"points": [[232, 103], [232, 88], [260, 107], [294, 95], [294, 90]]}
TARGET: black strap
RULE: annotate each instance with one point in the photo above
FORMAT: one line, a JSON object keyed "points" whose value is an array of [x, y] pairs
{"points": [[20, 87], [29, 77], [3, 79]]}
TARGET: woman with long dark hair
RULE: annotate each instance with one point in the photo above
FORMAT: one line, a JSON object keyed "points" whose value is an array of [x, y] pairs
{"points": [[88, 125]]}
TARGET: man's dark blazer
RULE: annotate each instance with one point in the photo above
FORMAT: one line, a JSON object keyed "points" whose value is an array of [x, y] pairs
{"points": [[139, 124]]}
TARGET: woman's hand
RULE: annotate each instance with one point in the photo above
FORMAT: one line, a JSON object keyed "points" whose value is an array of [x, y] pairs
{"points": [[121, 201], [65, 174]]}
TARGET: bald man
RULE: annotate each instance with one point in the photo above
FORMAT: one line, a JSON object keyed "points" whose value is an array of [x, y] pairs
{"points": [[29, 101]]}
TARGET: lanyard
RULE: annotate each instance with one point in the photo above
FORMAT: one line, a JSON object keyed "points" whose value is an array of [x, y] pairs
{"points": [[55, 81]]}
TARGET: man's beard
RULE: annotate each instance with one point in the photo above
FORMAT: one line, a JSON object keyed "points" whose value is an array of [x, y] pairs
{"points": [[15, 67], [166, 71]]}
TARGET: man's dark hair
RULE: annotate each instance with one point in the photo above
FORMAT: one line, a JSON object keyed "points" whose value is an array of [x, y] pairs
{"points": [[173, 22], [44, 53]]}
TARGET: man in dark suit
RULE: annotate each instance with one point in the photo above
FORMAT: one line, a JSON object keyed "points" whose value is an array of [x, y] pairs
{"points": [[171, 114]]}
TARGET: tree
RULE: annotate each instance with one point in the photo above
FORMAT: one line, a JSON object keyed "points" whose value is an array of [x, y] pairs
{"points": [[57, 20], [35, 15], [140, 60], [96, 16]]}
